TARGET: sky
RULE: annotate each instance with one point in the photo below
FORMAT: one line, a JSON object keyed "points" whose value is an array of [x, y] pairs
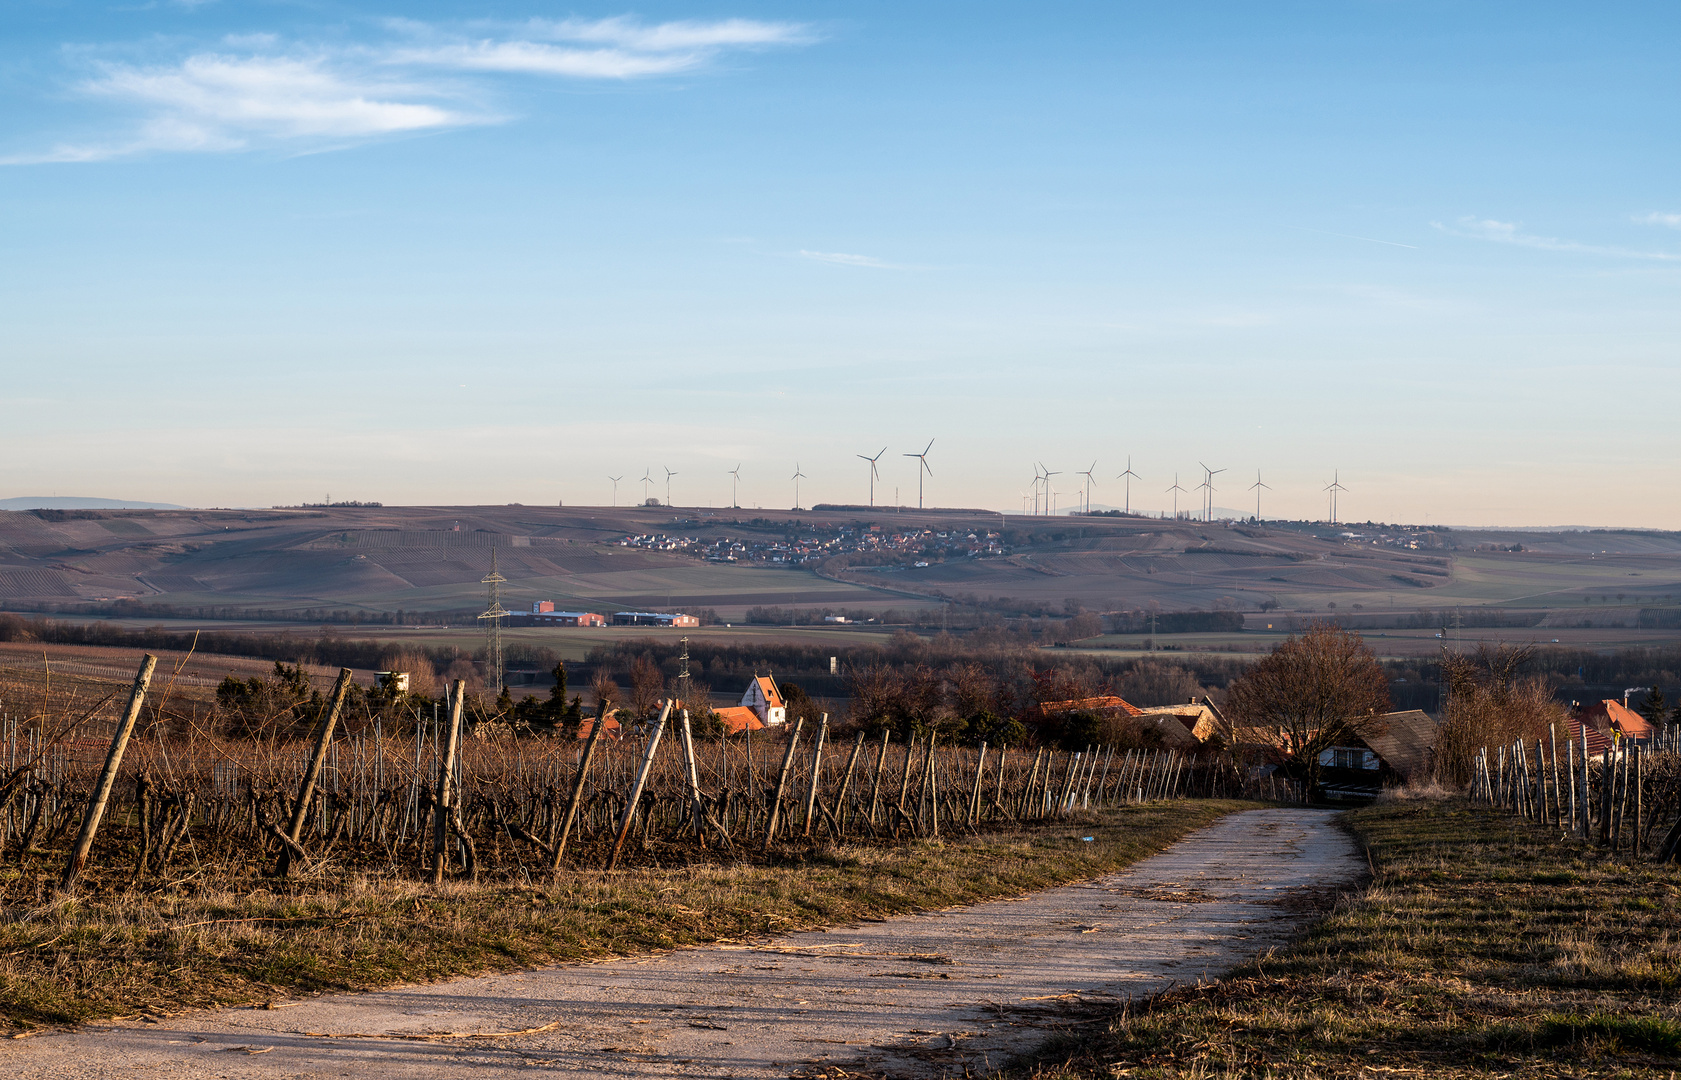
{"points": [[259, 253]]}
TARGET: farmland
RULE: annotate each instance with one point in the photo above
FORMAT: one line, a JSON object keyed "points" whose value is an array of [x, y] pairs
{"points": [[418, 565]]}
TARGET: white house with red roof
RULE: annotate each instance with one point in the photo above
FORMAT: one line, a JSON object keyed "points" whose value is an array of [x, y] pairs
{"points": [[765, 699]]}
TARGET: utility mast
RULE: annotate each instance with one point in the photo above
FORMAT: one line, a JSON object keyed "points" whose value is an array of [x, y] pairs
{"points": [[493, 629]]}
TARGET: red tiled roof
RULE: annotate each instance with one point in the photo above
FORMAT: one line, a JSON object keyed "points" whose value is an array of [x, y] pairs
{"points": [[1092, 704], [1630, 723], [739, 718], [1598, 741]]}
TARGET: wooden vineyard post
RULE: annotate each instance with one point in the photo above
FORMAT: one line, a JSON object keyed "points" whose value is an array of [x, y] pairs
{"points": [[1027, 791], [875, 785], [782, 783], [1558, 789], [998, 785], [1634, 837], [846, 785], [446, 773], [697, 806], [816, 772], [975, 796], [904, 783], [1570, 761], [108, 775], [637, 785], [577, 795], [312, 775], [931, 790]]}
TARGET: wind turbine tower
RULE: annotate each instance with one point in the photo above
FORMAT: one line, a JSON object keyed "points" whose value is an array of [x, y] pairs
{"points": [[874, 473], [1087, 474], [735, 488], [1049, 510], [1175, 489], [797, 477], [1334, 487], [646, 480], [1256, 488], [1130, 476], [615, 480], [922, 459], [669, 473], [1208, 491]]}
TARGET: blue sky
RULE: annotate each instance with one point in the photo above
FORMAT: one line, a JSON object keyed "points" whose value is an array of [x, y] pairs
{"points": [[259, 252]]}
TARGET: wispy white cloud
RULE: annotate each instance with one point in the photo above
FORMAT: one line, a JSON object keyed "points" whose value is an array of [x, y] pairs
{"points": [[1507, 232], [540, 58], [681, 36], [847, 260], [257, 90], [1659, 218]]}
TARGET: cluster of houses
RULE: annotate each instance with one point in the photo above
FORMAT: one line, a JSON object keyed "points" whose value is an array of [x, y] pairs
{"points": [[826, 540], [1402, 748]]}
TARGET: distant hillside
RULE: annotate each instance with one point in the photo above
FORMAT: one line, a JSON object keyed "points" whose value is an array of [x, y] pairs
{"points": [[400, 564], [79, 502]]}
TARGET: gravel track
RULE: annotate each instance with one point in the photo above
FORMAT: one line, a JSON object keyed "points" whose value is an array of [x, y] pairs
{"points": [[923, 995]]}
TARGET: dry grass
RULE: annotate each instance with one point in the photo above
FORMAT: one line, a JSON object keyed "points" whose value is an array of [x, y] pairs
{"points": [[1484, 947], [188, 943]]}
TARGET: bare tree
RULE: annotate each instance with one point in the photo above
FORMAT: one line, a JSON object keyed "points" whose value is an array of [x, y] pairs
{"points": [[647, 686], [1322, 689], [1490, 703]]}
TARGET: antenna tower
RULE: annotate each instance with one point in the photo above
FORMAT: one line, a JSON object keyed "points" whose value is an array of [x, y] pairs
{"points": [[493, 629]]}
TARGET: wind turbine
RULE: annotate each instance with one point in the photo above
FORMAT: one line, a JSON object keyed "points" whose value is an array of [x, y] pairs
{"points": [[1176, 489], [1333, 487], [646, 480], [1208, 494], [874, 474], [735, 486], [923, 459], [1049, 512], [1087, 475], [1130, 476], [797, 477], [615, 480], [668, 475], [1256, 488]]}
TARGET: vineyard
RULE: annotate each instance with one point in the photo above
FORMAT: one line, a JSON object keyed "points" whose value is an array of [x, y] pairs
{"points": [[93, 790], [1624, 797]]}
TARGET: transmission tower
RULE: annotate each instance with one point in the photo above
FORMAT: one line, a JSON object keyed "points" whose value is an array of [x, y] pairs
{"points": [[493, 629], [683, 684]]}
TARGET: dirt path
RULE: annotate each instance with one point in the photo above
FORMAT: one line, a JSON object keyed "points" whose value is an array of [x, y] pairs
{"points": [[920, 995]]}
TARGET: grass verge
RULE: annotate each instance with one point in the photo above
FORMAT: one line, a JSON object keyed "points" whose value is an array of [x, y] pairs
{"points": [[1485, 946], [197, 945]]}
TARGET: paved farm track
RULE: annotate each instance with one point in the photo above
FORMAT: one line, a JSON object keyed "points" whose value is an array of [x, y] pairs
{"points": [[924, 995]]}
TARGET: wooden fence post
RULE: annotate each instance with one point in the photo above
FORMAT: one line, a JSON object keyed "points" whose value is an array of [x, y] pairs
{"points": [[596, 728], [875, 785], [975, 797], [312, 775], [846, 785], [636, 787], [441, 797], [816, 771], [108, 776], [782, 783], [697, 806]]}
